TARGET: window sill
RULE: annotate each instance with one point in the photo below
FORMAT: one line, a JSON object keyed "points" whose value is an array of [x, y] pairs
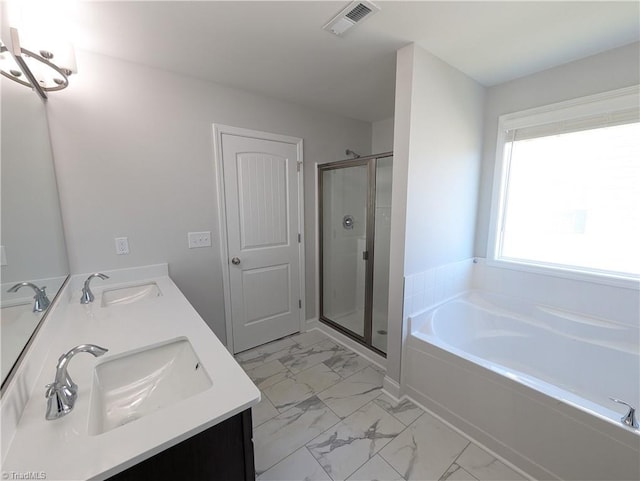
{"points": [[608, 279]]}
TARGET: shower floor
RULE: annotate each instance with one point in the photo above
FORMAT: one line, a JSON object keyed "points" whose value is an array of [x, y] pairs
{"points": [[353, 322]]}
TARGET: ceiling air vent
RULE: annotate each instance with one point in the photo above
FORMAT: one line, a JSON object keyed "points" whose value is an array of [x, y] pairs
{"points": [[356, 12]]}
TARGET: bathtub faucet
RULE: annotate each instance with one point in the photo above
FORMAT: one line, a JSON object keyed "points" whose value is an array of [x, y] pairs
{"points": [[628, 419]]}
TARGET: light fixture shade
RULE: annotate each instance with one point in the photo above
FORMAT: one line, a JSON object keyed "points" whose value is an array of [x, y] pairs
{"points": [[42, 51], [60, 49], [35, 69], [45, 27]]}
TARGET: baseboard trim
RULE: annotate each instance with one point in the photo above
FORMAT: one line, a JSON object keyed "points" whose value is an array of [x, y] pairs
{"points": [[311, 323], [392, 389]]}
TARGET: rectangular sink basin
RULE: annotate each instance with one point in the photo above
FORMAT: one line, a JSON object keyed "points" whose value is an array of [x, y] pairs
{"points": [[130, 295], [135, 384]]}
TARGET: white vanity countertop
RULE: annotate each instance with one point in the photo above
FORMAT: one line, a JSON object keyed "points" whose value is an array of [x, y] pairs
{"points": [[63, 449]]}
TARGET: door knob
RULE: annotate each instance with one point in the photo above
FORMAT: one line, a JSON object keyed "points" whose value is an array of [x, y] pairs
{"points": [[235, 261]]}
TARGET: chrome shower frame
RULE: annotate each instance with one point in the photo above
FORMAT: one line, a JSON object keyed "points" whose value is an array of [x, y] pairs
{"points": [[369, 255]]}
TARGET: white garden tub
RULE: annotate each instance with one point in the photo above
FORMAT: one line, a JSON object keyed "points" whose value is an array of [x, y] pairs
{"points": [[531, 382]]}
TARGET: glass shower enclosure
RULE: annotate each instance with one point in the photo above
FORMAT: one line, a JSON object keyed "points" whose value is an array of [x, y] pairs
{"points": [[355, 230]]}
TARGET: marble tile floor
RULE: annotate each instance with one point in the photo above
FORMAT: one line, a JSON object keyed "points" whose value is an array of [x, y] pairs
{"points": [[323, 416]]}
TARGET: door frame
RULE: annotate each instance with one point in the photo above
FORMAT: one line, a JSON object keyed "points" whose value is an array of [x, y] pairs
{"points": [[218, 131]]}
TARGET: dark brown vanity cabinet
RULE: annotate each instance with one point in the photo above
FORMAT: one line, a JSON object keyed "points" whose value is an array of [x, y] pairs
{"points": [[223, 452]]}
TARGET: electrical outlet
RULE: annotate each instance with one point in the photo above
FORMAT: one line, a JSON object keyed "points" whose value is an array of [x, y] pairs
{"points": [[122, 245], [199, 239]]}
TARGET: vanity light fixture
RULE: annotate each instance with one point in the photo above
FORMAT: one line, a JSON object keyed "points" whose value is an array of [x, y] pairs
{"points": [[36, 70]]}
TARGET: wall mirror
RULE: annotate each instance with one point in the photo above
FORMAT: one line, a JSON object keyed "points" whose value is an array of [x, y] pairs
{"points": [[31, 235]]}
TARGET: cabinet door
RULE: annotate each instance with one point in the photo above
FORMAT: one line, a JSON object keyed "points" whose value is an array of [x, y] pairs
{"points": [[222, 452]]}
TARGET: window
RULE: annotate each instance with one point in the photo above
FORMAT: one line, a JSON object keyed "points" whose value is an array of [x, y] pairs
{"points": [[569, 187]]}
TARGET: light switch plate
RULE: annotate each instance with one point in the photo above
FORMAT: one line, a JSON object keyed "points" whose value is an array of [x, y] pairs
{"points": [[199, 239]]}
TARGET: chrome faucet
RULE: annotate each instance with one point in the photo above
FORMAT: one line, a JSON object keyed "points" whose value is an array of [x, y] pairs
{"points": [[628, 419], [62, 393], [40, 300], [87, 295]]}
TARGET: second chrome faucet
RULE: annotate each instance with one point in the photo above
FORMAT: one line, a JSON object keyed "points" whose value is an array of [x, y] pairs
{"points": [[87, 295], [41, 301]]}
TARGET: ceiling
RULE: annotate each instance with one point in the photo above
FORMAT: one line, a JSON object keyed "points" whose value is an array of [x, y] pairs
{"points": [[279, 48]]}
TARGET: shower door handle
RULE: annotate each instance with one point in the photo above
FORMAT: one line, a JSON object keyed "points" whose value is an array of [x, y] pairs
{"points": [[235, 261]]}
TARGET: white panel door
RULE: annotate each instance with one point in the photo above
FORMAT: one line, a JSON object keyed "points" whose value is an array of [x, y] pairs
{"points": [[261, 199]]}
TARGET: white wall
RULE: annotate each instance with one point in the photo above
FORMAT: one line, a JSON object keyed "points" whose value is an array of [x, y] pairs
{"points": [[382, 136], [610, 70], [438, 145], [401, 138], [444, 163], [133, 150]]}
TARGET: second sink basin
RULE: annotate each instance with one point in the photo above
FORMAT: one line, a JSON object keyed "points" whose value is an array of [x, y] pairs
{"points": [[144, 381], [131, 294]]}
